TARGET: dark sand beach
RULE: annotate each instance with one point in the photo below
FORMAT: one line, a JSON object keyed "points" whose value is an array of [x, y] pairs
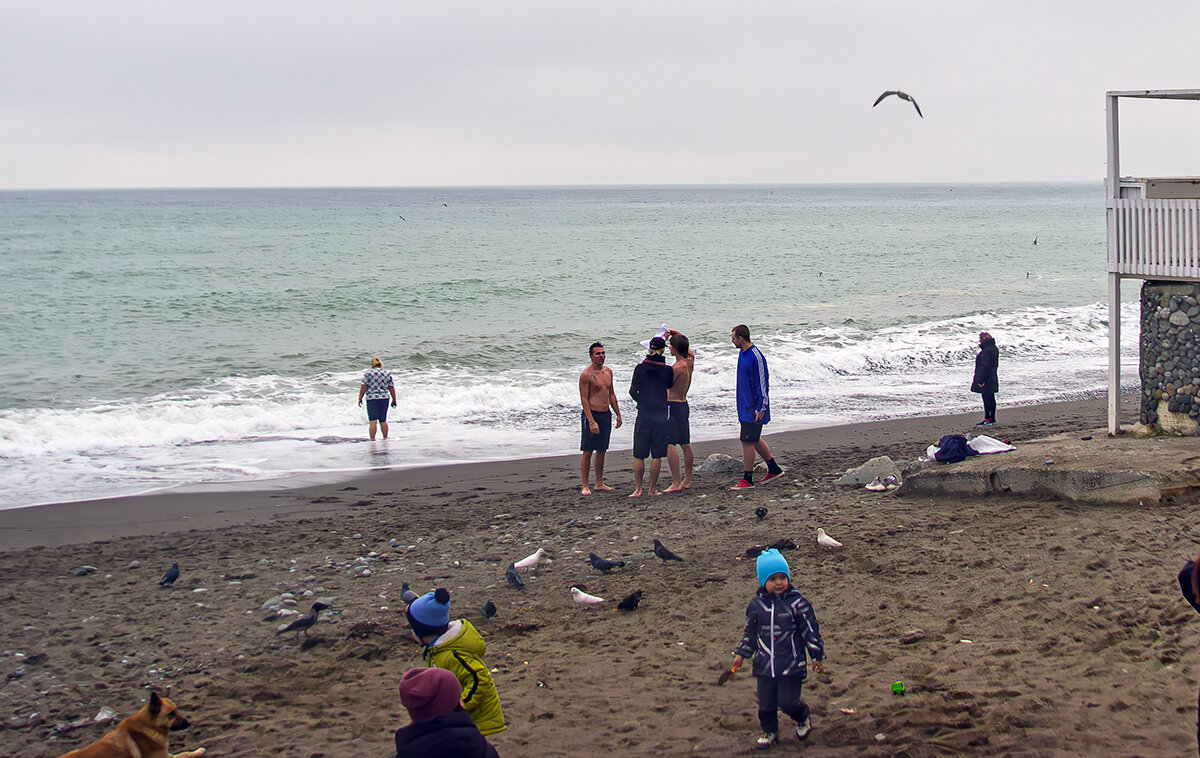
{"points": [[1047, 628]]}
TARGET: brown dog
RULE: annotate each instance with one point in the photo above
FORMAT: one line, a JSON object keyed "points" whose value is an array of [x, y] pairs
{"points": [[142, 735]]}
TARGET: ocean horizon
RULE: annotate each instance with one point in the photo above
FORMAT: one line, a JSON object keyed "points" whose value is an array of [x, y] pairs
{"points": [[216, 337]]}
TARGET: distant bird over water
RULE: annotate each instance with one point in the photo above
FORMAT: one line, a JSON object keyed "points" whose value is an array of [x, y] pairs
{"points": [[902, 96], [170, 577]]}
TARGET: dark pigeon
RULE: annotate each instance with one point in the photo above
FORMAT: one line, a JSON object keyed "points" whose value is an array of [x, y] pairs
{"points": [[304, 621], [170, 577], [602, 565], [761, 513], [665, 554], [513, 577], [631, 603], [489, 609], [407, 596]]}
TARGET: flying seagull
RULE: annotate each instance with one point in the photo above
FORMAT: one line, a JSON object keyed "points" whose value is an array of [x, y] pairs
{"points": [[902, 96]]}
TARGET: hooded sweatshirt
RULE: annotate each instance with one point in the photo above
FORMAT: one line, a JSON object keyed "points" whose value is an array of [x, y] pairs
{"points": [[460, 651]]}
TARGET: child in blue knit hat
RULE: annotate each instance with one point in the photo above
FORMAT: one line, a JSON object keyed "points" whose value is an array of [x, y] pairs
{"points": [[780, 629], [457, 647]]}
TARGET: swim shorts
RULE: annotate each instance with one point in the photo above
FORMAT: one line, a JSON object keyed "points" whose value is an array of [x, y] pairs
{"points": [[649, 437], [377, 410], [590, 443], [750, 432], [678, 430]]}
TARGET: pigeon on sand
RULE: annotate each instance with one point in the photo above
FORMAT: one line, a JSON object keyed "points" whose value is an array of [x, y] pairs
{"points": [[602, 565], [489, 609], [531, 560], [304, 621], [407, 596], [584, 599], [170, 577], [631, 603], [512, 576], [902, 96], [761, 513], [662, 552], [824, 540]]}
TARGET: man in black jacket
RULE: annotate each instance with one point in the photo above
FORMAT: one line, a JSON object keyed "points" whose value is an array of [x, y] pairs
{"points": [[651, 380], [985, 381]]}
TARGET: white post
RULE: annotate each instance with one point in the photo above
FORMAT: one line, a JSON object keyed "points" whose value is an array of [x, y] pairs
{"points": [[1114, 278], [1114, 352]]}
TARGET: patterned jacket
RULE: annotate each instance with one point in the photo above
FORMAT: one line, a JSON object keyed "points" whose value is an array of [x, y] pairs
{"points": [[460, 651], [779, 629]]}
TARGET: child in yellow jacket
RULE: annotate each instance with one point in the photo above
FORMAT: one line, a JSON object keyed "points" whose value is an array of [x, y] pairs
{"points": [[457, 647]]}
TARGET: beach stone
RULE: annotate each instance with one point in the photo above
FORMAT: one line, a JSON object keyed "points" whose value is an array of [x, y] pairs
{"points": [[85, 570], [135, 564], [719, 464], [911, 636], [866, 473]]}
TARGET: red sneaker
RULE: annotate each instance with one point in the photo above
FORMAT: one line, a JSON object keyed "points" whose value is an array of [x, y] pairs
{"points": [[742, 485], [769, 477]]}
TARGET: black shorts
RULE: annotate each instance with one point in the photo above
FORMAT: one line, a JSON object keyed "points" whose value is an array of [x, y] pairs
{"points": [[377, 409], [649, 437], [750, 432], [598, 442], [679, 432]]}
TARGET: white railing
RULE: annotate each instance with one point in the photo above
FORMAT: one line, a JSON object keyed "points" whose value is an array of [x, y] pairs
{"points": [[1154, 238]]}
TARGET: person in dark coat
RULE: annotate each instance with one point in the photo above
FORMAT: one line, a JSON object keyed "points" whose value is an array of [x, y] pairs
{"points": [[1189, 583], [985, 382], [440, 727]]}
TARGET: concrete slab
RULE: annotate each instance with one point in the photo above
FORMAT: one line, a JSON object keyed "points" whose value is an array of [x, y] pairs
{"points": [[1099, 470]]}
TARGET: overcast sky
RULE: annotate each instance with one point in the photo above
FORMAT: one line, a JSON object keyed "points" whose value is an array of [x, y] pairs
{"points": [[179, 93]]}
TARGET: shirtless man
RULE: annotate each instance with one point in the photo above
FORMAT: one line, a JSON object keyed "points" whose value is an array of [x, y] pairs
{"points": [[596, 394], [678, 428]]}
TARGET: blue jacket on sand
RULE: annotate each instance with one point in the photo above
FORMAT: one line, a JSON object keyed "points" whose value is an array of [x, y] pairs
{"points": [[449, 735], [752, 382], [780, 629]]}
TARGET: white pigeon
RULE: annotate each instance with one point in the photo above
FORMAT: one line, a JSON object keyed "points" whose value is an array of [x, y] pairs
{"points": [[529, 561], [824, 540], [584, 599]]}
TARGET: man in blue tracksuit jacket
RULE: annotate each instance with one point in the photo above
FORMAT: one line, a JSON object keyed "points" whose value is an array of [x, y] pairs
{"points": [[754, 407]]}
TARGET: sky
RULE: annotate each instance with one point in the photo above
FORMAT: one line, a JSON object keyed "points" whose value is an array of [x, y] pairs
{"points": [[263, 93]]}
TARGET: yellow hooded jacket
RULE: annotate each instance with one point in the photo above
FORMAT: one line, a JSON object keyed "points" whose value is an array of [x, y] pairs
{"points": [[460, 651]]}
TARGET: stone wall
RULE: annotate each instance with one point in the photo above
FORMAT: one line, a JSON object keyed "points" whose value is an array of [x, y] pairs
{"points": [[1170, 357]]}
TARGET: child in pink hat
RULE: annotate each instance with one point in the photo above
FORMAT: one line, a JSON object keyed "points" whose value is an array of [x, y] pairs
{"points": [[440, 727]]}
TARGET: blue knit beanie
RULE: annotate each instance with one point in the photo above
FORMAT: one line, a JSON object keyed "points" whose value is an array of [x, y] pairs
{"points": [[430, 614], [771, 562]]}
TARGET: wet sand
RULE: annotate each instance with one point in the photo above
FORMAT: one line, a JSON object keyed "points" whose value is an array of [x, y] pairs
{"points": [[1046, 628]]}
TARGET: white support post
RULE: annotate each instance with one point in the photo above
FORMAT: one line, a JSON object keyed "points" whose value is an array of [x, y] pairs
{"points": [[1114, 353], [1114, 278]]}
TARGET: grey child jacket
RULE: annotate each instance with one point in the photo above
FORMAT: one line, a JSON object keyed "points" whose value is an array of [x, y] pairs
{"points": [[780, 630]]}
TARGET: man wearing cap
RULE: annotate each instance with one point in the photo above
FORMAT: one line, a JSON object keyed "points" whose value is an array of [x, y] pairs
{"points": [[377, 385], [651, 380], [440, 727]]}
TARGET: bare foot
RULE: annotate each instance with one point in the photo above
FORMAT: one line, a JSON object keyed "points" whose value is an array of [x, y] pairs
{"points": [[603, 488], [636, 493], [687, 484], [673, 488], [654, 493], [585, 491]]}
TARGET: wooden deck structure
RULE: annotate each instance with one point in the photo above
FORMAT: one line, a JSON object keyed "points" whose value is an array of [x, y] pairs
{"points": [[1153, 231]]}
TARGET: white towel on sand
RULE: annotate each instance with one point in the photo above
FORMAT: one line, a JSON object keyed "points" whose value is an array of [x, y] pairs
{"points": [[983, 444]]}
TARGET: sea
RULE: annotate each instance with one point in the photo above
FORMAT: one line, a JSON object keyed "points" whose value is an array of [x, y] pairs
{"points": [[215, 338]]}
